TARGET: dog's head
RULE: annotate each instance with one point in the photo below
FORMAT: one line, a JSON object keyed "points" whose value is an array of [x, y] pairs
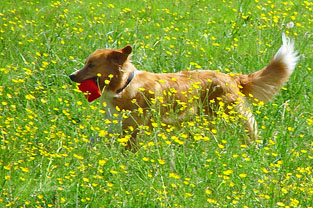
{"points": [[104, 64]]}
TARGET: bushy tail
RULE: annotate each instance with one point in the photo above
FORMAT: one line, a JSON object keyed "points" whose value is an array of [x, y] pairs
{"points": [[265, 83]]}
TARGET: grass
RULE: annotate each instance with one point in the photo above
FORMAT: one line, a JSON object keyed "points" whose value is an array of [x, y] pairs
{"points": [[46, 159]]}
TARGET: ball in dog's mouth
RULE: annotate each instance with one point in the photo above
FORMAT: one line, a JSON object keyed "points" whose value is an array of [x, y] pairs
{"points": [[90, 88]]}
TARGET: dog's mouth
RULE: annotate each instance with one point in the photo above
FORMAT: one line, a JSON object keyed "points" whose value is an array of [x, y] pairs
{"points": [[95, 79], [78, 79]]}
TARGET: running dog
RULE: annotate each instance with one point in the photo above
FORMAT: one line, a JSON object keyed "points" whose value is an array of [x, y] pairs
{"points": [[122, 84]]}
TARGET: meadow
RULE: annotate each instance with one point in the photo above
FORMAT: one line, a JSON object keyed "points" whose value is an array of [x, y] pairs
{"points": [[47, 159]]}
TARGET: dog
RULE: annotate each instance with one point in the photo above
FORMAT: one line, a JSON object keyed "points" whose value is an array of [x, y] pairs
{"points": [[127, 88]]}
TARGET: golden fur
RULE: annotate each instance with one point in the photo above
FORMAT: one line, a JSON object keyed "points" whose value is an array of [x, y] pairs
{"points": [[209, 86]]}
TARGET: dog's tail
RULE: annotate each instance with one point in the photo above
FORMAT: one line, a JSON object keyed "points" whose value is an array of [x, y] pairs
{"points": [[265, 83]]}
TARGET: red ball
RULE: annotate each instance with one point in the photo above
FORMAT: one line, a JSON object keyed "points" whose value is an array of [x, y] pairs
{"points": [[91, 89]]}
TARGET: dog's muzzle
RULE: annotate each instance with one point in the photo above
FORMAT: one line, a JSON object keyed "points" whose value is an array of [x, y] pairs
{"points": [[72, 77]]}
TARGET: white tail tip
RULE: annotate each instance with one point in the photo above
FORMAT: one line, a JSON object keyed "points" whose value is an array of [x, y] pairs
{"points": [[287, 54]]}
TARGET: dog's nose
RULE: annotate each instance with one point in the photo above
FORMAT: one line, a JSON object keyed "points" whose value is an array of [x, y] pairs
{"points": [[72, 77]]}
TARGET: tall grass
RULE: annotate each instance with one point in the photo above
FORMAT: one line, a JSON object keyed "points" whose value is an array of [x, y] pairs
{"points": [[46, 158]]}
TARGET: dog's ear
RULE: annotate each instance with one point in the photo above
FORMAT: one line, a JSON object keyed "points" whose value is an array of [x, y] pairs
{"points": [[121, 55], [127, 49]]}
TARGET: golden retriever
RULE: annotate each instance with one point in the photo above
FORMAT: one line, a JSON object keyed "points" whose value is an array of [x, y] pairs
{"points": [[122, 84]]}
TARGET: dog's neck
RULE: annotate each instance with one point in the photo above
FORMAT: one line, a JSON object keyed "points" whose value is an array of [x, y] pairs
{"points": [[129, 79], [129, 71]]}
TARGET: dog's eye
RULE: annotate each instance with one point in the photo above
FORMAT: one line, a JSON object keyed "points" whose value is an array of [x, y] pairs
{"points": [[90, 65]]}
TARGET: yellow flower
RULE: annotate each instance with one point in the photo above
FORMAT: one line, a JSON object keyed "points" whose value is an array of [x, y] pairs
{"points": [[8, 167], [242, 175], [110, 184], [208, 191], [113, 171], [111, 6], [140, 111], [26, 170], [212, 201], [221, 146], [29, 97], [174, 175], [161, 162], [264, 170], [169, 53], [227, 172], [102, 162], [161, 81], [188, 194], [102, 133], [79, 157]]}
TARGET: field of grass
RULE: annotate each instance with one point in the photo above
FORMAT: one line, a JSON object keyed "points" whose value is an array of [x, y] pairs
{"points": [[46, 158]]}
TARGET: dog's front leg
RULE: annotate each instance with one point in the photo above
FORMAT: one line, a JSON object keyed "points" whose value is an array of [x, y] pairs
{"points": [[130, 130]]}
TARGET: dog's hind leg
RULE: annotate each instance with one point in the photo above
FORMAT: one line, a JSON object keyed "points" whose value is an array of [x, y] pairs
{"points": [[245, 112]]}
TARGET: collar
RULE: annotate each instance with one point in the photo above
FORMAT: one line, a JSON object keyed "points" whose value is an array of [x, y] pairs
{"points": [[129, 79]]}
